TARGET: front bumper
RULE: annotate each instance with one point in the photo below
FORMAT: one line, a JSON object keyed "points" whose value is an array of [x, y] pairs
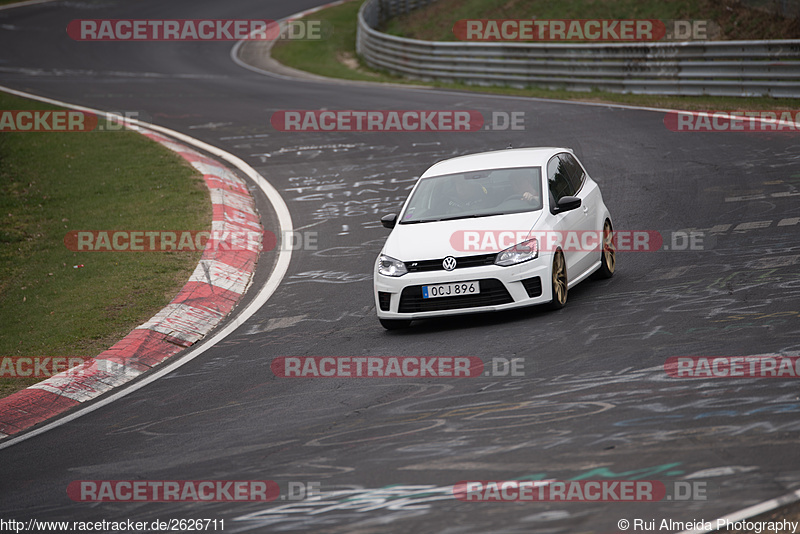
{"points": [[502, 288]]}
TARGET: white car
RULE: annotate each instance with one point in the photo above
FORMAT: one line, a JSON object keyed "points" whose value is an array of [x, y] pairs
{"points": [[476, 234]]}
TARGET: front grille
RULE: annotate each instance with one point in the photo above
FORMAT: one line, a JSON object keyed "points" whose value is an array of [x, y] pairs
{"points": [[493, 293], [384, 299], [533, 286], [463, 262]]}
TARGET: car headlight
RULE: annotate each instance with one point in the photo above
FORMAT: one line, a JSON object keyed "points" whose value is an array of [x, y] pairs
{"points": [[519, 253], [389, 266]]}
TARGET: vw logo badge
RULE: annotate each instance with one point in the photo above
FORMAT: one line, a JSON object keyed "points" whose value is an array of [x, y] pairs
{"points": [[449, 263]]}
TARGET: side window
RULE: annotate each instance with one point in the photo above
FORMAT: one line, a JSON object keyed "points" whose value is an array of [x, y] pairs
{"points": [[558, 180], [575, 171]]}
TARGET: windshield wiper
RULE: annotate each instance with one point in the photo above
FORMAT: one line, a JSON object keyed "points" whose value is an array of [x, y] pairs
{"points": [[473, 216], [455, 218]]}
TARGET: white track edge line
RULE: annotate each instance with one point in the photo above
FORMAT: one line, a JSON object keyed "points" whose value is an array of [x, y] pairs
{"points": [[264, 293], [23, 4], [756, 509]]}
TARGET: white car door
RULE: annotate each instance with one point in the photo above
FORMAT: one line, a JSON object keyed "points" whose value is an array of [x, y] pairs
{"points": [[567, 222], [588, 192]]}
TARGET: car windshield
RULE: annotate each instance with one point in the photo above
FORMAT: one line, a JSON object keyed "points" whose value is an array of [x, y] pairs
{"points": [[475, 194]]}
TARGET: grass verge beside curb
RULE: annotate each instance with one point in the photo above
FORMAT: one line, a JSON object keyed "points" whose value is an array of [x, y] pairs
{"points": [[56, 302]]}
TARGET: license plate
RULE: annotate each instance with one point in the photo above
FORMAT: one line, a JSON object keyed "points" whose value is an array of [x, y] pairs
{"points": [[451, 290]]}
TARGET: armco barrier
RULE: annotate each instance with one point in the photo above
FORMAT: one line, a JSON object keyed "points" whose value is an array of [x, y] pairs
{"points": [[718, 68]]}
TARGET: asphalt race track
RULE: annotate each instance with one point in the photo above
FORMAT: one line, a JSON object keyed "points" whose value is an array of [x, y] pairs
{"points": [[594, 402]]}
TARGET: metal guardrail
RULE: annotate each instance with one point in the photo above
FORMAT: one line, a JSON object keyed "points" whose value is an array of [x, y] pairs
{"points": [[718, 68]]}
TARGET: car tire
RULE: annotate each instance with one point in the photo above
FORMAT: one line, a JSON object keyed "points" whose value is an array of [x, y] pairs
{"points": [[395, 324], [608, 255], [558, 281]]}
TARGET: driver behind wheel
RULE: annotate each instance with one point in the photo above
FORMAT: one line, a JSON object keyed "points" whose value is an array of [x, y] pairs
{"points": [[522, 184], [467, 194]]}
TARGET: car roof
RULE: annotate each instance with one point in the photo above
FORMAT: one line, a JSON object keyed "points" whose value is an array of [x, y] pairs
{"points": [[496, 159]]}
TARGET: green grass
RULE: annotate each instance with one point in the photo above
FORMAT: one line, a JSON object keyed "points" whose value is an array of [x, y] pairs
{"points": [[324, 57], [52, 183], [329, 57]]}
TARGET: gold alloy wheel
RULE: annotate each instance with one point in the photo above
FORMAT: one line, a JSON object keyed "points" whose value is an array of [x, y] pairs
{"points": [[559, 280], [609, 254]]}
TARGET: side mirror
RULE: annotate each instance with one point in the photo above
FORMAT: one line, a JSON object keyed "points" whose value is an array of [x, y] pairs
{"points": [[568, 204], [390, 220]]}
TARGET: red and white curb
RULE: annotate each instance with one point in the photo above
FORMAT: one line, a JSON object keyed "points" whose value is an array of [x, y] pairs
{"points": [[217, 284]]}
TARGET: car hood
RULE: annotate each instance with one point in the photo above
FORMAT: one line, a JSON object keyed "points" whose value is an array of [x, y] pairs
{"points": [[434, 240]]}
